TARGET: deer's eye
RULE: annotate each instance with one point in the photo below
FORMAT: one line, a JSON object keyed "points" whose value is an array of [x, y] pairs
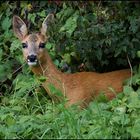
{"points": [[42, 45], [24, 45]]}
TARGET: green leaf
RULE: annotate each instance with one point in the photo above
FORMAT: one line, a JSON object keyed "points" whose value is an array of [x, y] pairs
{"points": [[134, 101], [120, 109], [49, 45], [138, 54], [135, 129], [10, 120], [15, 45], [56, 62], [6, 23], [32, 18], [99, 54], [1, 54], [67, 57], [118, 51], [55, 91], [70, 24], [73, 54], [127, 90], [42, 13]]}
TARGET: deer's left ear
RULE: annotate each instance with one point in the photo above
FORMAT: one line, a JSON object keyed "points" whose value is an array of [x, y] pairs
{"points": [[19, 27], [45, 23]]}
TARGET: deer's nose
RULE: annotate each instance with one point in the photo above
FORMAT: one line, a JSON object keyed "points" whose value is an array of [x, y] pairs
{"points": [[32, 58]]}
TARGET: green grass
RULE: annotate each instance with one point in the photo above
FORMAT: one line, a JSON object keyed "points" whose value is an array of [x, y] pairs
{"points": [[33, 115]]}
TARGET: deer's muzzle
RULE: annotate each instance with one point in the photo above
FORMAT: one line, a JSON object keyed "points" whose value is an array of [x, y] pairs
{"points": [[32, 60]]}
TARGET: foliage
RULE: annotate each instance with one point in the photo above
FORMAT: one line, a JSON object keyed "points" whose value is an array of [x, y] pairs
{"points": [[93, 36], [36, 117]]}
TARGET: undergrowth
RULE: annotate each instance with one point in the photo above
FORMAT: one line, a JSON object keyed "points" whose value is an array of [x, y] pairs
{"points": [[29, 113]]}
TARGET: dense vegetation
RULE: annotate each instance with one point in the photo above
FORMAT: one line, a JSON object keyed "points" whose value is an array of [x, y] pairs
{"points": [[85, 36]]}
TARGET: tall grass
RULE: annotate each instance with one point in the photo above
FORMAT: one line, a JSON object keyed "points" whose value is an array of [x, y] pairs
{"points": [[26, 114]]}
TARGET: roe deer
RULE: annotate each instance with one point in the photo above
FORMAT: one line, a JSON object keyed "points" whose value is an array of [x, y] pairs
{"points": [[77, 87]]}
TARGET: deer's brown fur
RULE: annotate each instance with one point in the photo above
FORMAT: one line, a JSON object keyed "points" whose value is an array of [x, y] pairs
{"points": [[77, 87]]}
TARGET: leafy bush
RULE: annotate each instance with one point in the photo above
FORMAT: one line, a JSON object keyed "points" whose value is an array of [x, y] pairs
{"points": [[91, 36]]}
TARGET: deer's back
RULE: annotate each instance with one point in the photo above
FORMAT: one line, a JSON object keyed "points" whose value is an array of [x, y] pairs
{"points": [[87, 85]]}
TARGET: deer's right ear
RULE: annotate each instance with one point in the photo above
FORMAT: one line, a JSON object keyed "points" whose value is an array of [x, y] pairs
{"points": [[46, 22], [19, 27]]}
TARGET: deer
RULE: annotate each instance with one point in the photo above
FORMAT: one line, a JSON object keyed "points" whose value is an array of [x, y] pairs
{"points": [[78, 87]]}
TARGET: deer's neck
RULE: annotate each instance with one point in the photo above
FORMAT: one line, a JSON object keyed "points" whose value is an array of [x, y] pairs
{"points": [[48, 69]]}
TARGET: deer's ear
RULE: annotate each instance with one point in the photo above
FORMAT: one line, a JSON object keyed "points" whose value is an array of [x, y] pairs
{"points": [[45, 23], [19, 27]]}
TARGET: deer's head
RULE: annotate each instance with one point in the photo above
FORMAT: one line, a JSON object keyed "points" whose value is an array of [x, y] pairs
{"points": [[33, 44]]}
